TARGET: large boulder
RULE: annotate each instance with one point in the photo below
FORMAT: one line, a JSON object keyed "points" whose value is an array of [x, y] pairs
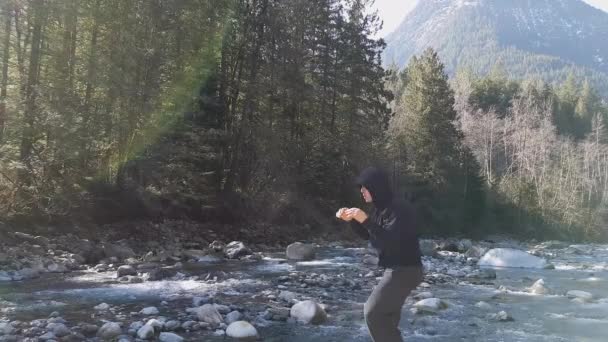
{"points": [[109, 331], [508, 257], [242, 330], [300, 251], [236, 249], [308, 312]]}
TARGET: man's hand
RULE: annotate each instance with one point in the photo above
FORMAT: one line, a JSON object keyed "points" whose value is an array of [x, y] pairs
{"points": [[341, 214], [356, 214]]}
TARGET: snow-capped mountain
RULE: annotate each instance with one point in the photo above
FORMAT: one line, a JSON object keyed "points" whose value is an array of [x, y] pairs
{"points": [[546, 38]]}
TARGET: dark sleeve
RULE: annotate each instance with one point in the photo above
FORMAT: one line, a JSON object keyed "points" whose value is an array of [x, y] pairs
{"points": [[384, 234], [359, 229]]}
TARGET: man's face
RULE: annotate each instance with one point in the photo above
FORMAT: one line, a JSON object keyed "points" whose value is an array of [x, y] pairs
{"points": [[366, 195]]}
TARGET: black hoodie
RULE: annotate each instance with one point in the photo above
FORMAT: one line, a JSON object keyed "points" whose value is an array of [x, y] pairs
{"points": [[391, 227]]}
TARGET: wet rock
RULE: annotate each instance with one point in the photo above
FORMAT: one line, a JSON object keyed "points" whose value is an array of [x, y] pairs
{"points": [[502, 316], [279, 314], [233, 317], [475, 252], [428, 248], [156, 324], [190, 326], [169, 337], [126, 270], [300, 251], [160, 274], [370, 260], [6, 329], [172, 325], [507, 257], [149, 311], [57, 268], [217, 246], [483, 305], [423, 295], [47, 336], [539, 288], [432, 305], [242, 330], [209, 314], [308, 312], [581, 295], [236, 249], [449, 245], [102, 307], [145, 332], [58, 329], [223, 309], [198, 301], [109, 331], [4, 276], [464, 245], [287, 296], [89, 329]]}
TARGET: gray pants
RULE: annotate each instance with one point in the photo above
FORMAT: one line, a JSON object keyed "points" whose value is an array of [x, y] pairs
{"points": [[383, 307]]}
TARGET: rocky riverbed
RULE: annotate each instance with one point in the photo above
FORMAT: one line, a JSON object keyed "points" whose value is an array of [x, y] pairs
{"points": [[70, 289]]}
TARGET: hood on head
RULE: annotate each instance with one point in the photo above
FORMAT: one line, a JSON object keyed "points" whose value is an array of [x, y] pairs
{"points": [[376, 181]]}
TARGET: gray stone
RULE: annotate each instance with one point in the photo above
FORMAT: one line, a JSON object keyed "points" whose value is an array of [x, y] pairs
{"points": [[109, 331], [242, 330], [126, 270], [236, 249], [308, 312], [169, 337], [300, 251]]}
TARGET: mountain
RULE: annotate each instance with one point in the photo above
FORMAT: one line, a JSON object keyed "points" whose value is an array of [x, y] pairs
{"points": [[529, 38]]}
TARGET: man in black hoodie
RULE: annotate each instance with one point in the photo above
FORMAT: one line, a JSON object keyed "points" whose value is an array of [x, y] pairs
{"points": [[391, 229]]}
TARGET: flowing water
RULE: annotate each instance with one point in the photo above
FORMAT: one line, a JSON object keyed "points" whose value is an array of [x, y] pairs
{"points": [[552, 317]]}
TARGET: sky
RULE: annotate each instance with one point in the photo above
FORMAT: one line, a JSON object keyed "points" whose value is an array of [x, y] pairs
{"points": [[392, 12]]}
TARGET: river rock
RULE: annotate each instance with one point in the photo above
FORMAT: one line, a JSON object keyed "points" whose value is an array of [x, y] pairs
{"points": [[483, 305], [57, 268], [428, 248], [539, 288], [300, 251], [126, 270], [308, 312], [149, 311], [169, 337], [217, 246], [209, 314], [423, 295], [464, 245], [6, 329], [156, 324], [287, 296], [145, 332], [508, 257], [4, 276], [582, 295], [233, 317], [59, 329], [102, 307], [431, 305], [89, 329], [47, 336], [172, 325], [502, 316], [475, 252], [242, 330], [236, 249], [109, 331]]}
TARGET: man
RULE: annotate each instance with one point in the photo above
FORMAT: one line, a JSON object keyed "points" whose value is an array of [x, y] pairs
{"points": [[391, 229]]}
